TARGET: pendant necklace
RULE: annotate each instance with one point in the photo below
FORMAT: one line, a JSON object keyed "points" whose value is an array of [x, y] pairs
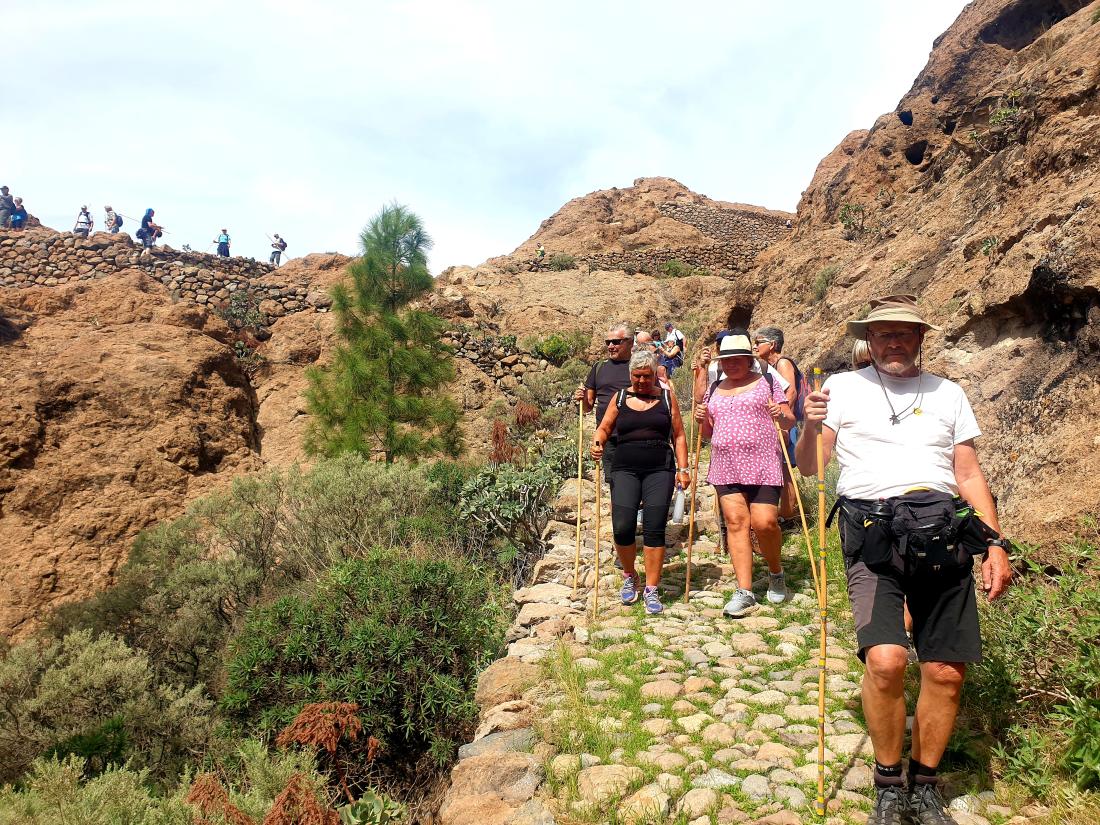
{"points": [[898, 417]]}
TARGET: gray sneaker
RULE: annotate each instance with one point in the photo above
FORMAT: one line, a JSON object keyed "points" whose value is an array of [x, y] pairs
{"points": [[742, 604], [777, 588], [926, 806]]}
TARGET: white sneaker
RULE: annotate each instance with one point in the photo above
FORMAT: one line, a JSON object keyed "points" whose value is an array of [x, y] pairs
{"points": [[777, 588], [742, 604]]}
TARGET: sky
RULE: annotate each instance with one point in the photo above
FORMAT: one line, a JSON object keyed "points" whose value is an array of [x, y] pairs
{"points": [[482, 117]]}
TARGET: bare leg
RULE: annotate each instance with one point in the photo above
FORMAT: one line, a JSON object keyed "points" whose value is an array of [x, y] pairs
{"points": [[937, 705], [884, 701], [627, 554], [735, 512], [764, 519], [654, 561]]}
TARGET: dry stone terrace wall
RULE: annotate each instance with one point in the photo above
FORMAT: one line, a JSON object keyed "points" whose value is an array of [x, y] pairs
{"points": [[739, 235], [754, 230], [47, 258], [719, 258], [498, 357]]}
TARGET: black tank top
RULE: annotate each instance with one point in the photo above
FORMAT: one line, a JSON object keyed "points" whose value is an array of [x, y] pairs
{"points": [[654, 424]]}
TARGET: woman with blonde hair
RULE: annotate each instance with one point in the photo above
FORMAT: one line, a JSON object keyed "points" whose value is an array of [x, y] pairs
{"points": [[650, 443]]}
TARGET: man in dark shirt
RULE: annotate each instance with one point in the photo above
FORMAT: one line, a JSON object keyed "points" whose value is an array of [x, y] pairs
{"points": [[605, 379]]}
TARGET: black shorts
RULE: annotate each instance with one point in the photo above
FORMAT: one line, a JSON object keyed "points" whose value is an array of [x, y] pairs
{"points": [[753, 493], [944, 607]]}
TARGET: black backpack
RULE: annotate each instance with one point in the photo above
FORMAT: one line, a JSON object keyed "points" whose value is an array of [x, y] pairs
{"points": [[118, 221], [620, 399]]}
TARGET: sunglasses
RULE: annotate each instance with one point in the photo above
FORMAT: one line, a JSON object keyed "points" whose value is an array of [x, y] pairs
{"points": [[616, 341]]}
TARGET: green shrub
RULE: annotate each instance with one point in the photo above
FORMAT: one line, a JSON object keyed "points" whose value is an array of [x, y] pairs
{"points": [[513, 503], [241, 311], [186, 584], [676, 269], [1039, 678], [557, 348], [1004, 115], [853, 216], [97, 698], [401, 636], [561, 262], [989, 245], [823, 281], [59, 791], [56, 791]]}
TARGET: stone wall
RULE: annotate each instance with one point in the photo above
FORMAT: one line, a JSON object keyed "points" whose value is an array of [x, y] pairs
{"points": [[725, 259], [42, 257], [498, 357], [752, 230]]}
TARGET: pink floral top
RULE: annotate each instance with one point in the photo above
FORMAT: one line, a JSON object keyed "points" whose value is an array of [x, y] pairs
{"points": [[744, 448]]}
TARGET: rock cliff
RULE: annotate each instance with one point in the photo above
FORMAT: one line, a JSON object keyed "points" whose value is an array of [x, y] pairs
{"points": [[978, 194]]}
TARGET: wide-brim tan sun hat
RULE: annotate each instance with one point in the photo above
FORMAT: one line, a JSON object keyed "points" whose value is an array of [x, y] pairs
{"points": [[733, 346], [890, 308]]}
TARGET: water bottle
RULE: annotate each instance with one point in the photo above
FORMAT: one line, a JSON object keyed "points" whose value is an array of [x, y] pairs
{"points": [[678, 506]]}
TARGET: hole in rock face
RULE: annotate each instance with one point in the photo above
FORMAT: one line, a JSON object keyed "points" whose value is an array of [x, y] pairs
{"points": [[935, 98], [915, 153], [1022, 23], [739, 317], [906, 117], [949, 126]]}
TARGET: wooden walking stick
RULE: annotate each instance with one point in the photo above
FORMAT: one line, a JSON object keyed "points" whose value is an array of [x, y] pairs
{"points": [[596, 586], [691, 518], [580, 492], [823, 605], [801, 511]]}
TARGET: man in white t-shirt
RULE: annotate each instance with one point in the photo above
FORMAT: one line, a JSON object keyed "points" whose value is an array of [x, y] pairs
{"points": [[893, 428]]}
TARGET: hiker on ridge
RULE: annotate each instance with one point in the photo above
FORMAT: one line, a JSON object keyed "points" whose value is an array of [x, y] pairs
{"points": [[278, 247], [650, 444], [914, 508], [112, 222], [7, 206], [18, 215], [149, 231], [83, 226], [223, 244], [605, 379], [737, 415]]}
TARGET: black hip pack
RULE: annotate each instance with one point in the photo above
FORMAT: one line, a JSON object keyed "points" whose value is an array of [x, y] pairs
{"points": [[919, 532]]}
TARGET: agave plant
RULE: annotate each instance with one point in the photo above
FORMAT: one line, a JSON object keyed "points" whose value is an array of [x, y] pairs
{"points": [[372, 809]]}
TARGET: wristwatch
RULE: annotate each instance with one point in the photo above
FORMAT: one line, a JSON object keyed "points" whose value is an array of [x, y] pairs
{"points": [[999, 542]]}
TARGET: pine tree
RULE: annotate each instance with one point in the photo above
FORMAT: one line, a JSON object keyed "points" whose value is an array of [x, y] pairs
{"points": [[384, 390]]}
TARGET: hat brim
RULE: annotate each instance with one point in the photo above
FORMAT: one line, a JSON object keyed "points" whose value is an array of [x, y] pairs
{"points": [[858, 329], [736, 354]]}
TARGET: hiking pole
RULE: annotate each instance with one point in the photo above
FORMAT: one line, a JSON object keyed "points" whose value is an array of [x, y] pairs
{"points": [[801, 511], [691, 432], [580, 492], [691, 517], [823, 604], [596, 586]]}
